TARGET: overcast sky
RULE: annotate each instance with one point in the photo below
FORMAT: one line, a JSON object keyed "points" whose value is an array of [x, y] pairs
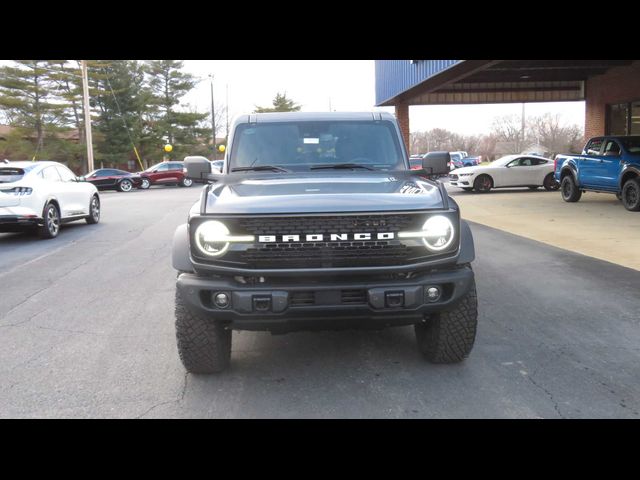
{"points": [[346, 85]]}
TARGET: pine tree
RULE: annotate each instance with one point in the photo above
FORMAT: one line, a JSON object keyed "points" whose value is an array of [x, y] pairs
{"points": [[172, 123], [30, 102], [122, 101], [280, 104]]}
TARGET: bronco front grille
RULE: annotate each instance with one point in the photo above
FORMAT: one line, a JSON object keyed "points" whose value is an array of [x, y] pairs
{"points": [[300, 252], [326, 254], [326, 224]]}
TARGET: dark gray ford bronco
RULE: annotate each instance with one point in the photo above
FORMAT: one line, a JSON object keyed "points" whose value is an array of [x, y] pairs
{"points": [[316, 222]]}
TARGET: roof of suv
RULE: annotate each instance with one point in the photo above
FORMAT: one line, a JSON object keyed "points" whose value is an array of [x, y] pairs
{"points": [[312, 116]]}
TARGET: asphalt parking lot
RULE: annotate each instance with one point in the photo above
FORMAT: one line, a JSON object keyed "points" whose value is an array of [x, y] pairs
{"points": [[86, 330]]}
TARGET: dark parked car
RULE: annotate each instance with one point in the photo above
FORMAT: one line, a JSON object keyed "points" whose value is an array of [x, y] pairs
{"points": [[165, 173], [113, 179]]}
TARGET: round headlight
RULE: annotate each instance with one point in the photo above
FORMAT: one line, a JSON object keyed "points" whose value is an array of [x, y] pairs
{"points": [[212, 238], [438, 233]]}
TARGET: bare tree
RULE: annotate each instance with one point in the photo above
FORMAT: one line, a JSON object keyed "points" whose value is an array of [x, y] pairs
{"points": [[550, 131], [508, 128]]}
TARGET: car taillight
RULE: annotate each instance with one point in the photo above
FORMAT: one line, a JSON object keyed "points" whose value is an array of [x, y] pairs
{"points": [[20, 191], [555, 164]]}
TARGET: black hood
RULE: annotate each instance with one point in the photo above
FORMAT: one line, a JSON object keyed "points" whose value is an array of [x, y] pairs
{"points": [[320, 192]]}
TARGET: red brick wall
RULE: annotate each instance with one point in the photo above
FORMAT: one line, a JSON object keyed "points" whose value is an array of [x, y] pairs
{"points": [[402, 114], [618, 85]]}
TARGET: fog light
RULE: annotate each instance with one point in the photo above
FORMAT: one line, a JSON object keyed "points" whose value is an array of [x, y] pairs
{"points": [[221, 300], [433, 294]]}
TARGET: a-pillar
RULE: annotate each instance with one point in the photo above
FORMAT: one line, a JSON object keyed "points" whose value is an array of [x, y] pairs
{"points": [[402, 114]]}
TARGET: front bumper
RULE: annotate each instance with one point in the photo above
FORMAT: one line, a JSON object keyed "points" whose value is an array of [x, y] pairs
{"points": [[281, 305], [458, 181]]}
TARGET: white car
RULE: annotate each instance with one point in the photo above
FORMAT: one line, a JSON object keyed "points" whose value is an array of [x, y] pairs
{"points": [[43, 196], [510, 171]]}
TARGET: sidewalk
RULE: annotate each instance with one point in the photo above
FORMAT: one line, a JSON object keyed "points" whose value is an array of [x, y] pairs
{"points": [[598, 225]]}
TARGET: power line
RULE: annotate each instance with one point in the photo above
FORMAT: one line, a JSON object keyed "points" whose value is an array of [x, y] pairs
{"points": [[126, 127]]}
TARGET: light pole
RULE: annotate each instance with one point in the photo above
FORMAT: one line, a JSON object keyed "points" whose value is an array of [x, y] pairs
{"points": [[213, 117]]}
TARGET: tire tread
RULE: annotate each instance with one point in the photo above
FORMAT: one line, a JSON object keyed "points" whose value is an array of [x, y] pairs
{"points": [[449, 336], [204, 345]]}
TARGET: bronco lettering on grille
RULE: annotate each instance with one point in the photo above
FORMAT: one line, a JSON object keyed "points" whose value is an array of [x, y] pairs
{"points": [[319, 237]]}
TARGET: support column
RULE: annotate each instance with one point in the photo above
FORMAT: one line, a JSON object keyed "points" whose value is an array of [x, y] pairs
{"points": [[402, 114]]}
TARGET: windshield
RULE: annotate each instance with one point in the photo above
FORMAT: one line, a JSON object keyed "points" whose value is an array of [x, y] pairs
{"points": [[631, 144], [153, 167], [302, 145]]}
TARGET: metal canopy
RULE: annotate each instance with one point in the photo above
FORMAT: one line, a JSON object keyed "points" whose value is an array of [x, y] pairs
{"points": [[506, 81]]}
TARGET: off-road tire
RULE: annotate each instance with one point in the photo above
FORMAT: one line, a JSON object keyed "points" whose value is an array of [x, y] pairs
{"points": [[569, 190], [448, 336], [483, 184], [204, 345], [631, 195], [550, 183]]}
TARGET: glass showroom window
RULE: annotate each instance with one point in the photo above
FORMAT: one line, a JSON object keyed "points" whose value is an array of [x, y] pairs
{"points": [[618, 119], [635, 118]]}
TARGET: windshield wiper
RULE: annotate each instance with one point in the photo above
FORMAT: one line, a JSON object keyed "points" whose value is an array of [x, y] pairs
{"points": [[341, 165], [259, 168]]}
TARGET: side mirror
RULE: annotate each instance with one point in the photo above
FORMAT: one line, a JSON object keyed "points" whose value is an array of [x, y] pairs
{"points": [[197, 167], [436, 163]]}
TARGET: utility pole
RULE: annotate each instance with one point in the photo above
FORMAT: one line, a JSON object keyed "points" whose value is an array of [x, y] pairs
{"points": [[87, 115], [213, 118], [522, 144], [226, 132]]}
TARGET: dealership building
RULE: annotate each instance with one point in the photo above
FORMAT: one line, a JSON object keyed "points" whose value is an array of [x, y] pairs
{"points": [[610, 88]]}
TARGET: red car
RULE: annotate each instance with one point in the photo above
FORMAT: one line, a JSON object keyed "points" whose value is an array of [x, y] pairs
{"points": [[165, 173]]}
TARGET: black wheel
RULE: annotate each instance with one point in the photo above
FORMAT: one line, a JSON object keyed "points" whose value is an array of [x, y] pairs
{"points": [[467, 189], [51, 221], [125, 185], [483, 184], [569, 189], [185, 182], [94, 211], [145, 184], [448, 336], [631, 194], [204, 344], [550, 183]]}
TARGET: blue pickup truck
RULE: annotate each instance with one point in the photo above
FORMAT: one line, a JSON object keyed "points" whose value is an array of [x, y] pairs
{"points": [[609, 164]]}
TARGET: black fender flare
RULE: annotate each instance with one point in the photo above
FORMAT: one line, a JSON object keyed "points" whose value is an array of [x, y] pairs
{"points": [[626, 172], [569, 170], [180, 253], [467, 247]]}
